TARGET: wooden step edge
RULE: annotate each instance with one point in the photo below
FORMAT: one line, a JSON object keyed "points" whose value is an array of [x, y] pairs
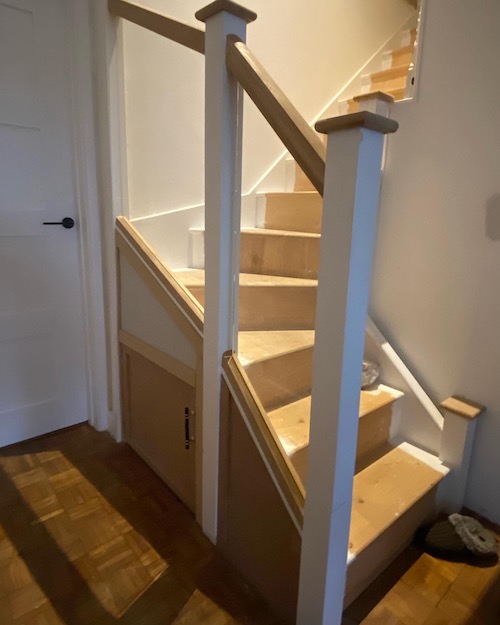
{"points": [[268, 232], [370, 401], [378, 397], [280, 194], [289, 234], [404, 475], [195, 278], [292, 420], [273, 336]]}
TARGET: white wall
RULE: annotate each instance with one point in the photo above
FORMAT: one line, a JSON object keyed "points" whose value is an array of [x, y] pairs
{"points": [[436, 289], [144, 317], [311, 49]]}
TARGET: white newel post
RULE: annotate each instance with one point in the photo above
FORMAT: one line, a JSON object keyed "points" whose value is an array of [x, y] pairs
{"points": [[460, 419], [350, 201], [223, 135]]}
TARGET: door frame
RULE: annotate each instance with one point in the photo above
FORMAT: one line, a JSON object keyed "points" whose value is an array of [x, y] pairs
{"points": [[97, 203]]}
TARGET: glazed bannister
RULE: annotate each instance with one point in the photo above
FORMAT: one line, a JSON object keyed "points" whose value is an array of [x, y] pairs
{"points": [[347, 174], [298, 137], [146, 261]]}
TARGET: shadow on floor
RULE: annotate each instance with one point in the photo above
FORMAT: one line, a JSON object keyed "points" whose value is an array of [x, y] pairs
{"points": [[108, 543]]}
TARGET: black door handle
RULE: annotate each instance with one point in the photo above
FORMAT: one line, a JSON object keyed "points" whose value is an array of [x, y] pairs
{"points": [[67, 223]]}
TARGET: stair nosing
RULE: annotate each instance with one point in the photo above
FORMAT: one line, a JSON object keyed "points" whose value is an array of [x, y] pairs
{"points": [[280, 233], [247, 362], [249, 279]]}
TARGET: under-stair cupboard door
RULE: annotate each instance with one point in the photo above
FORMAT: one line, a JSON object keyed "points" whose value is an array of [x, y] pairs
{"points": [[154, 409], [43, 372]]}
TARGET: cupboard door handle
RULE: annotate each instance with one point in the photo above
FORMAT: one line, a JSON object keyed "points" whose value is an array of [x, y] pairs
{"points": [[187, 439]]}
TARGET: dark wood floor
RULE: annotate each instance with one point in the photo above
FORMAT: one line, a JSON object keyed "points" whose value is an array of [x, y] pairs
{"points": [[418, 589], [90, 536]]}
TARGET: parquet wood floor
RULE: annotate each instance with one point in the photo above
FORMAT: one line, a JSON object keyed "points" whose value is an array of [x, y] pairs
{"points": [[418, 589], [89, 535]]}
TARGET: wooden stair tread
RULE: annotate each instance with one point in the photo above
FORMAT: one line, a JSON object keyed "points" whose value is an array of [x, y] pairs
{"points": [[405, 51], [292, 421], [386, 489], [266, 344], [280, 194], [196, 278], [399, 71]]}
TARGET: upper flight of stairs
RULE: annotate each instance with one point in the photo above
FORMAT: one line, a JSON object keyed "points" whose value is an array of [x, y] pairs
{"points": [[395, 482], [393, 75]]}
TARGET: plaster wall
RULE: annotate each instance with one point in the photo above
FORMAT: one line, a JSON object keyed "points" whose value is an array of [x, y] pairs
{"points": [[436, 290], [311, 49]]}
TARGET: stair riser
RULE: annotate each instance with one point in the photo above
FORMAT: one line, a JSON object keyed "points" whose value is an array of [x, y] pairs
{"points": [[396, 58], [283, 379], [388, 85], [405, 57], [302, 182], [273, 308], [279, 256], [297, 213], [373, 436], [370, 563]]}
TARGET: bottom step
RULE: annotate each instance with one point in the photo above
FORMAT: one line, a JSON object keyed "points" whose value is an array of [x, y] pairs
{"points": [[392, 498]]}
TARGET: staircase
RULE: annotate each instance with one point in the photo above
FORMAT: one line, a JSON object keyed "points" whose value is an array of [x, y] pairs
{"points": [[256, 407], [395, 74], [395, 482]]}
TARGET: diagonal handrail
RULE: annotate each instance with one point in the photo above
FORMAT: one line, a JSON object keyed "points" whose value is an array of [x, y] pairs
{"points": [[186, 35], [299, 138], [129, 238]]}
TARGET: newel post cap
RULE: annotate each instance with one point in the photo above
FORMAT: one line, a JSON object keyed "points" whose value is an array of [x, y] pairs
{"points": [[225, 5], [462, 407], [374, 95], [363, 119]]}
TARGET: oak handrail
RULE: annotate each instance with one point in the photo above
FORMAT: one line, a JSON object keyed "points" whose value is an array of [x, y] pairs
{"points": [[283, 472], [186, 35], [299, 138], [180, 295]]}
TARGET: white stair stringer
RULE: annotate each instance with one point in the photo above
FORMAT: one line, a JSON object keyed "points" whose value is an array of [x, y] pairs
{"points": [[419, 422]]}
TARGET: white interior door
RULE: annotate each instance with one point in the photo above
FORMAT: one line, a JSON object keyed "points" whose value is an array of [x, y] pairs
{"points": [[43, 378]]}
